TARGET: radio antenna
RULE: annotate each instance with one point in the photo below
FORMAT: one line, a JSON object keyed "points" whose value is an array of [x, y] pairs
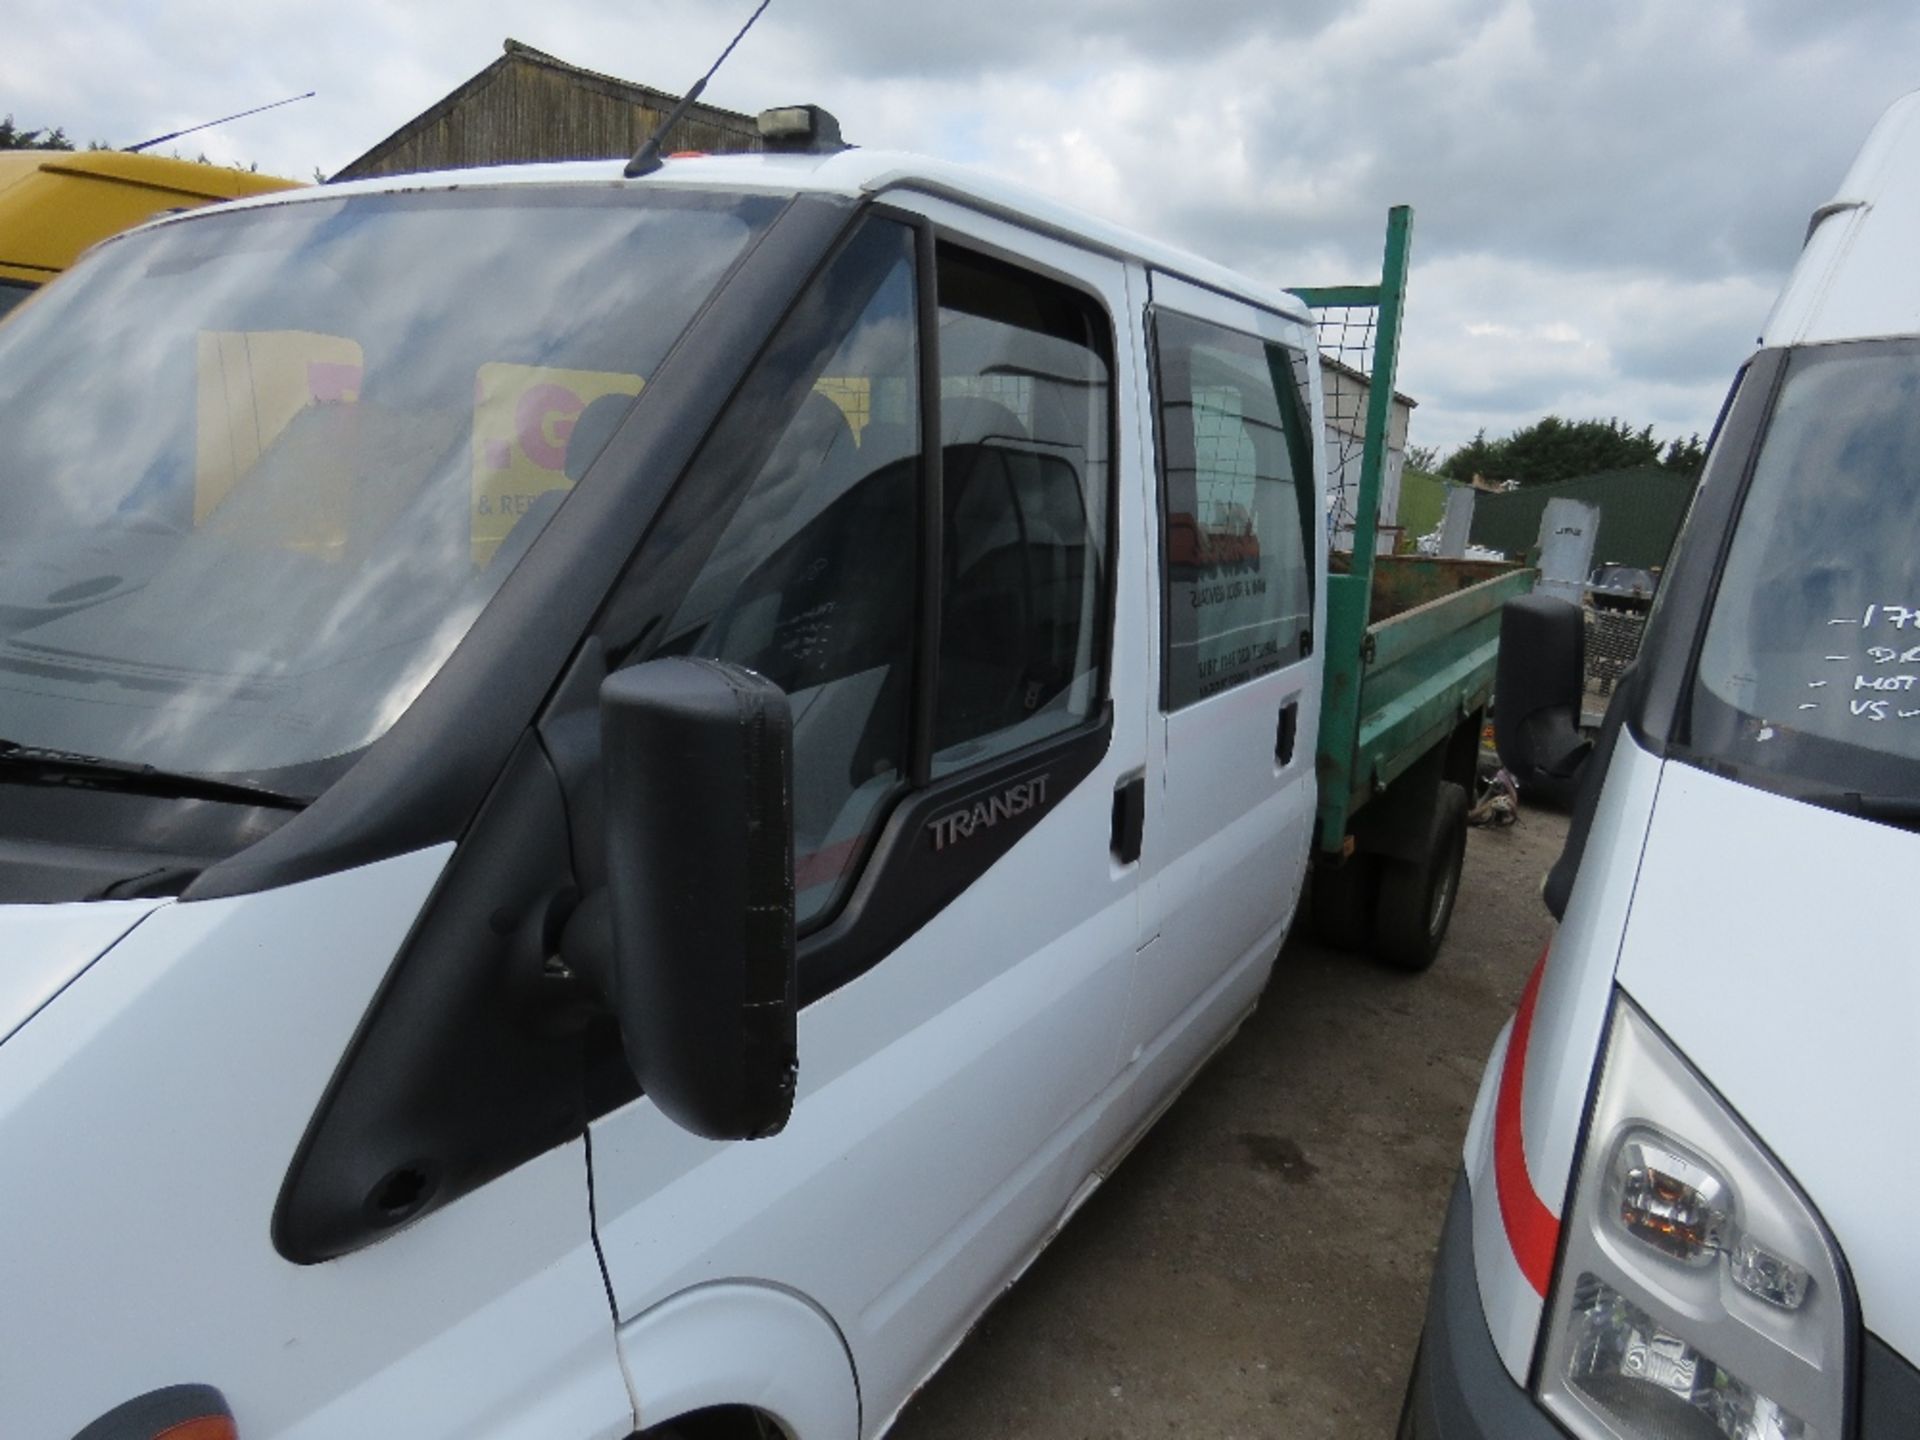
{"points": [[209, 124], [646, 159]]}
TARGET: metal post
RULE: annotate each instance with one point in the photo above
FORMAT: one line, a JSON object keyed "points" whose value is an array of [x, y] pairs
{"points": [[1386, 360], [1349, 596]]}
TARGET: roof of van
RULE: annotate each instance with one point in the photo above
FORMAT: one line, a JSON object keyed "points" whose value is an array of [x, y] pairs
{"points": [[152, 172], [854, 173], [1853, 280], [54, 204]]}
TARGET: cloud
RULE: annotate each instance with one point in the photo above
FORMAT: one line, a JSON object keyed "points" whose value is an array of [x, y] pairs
{"points": [[1610, 193], [1495, 343]]}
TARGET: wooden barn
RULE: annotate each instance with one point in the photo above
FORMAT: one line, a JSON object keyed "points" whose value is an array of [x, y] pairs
{"points": [[528, 105]]}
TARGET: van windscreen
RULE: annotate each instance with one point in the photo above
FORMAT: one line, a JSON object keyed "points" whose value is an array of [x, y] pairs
{"points": [[260, 470], [1810, 669]]}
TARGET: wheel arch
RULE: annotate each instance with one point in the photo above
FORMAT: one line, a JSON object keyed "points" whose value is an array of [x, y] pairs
{"points": [[1394, 823], [742, 1346]]}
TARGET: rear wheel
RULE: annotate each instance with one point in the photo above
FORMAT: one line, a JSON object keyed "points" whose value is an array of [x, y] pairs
{"points": [[1417, 896]]}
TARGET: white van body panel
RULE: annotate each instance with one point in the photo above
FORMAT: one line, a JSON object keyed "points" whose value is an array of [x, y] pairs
{"points": [[1507, 1298], [42, 948], [1746, 901], [1510, 1303], [1569, 1014], [155, 1152], [1854, 279], [718, 1344], [1572, 1010], [933, 1138]]}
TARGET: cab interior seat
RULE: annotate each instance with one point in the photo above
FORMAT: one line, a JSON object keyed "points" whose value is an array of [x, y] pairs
{"points": [[841, 651], [1011, 574]]}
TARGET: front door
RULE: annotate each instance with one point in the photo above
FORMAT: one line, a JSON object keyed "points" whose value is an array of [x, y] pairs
{"points": [[966, 678]]}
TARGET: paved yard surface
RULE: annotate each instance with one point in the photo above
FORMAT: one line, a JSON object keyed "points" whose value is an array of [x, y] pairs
{"points": [[1258, 1267]]}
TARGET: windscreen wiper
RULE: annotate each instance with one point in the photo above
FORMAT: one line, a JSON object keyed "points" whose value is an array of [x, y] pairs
{"points": [[1900, 810], [41, 765]]}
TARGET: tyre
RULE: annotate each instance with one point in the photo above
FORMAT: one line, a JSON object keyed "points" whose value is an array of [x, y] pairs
{"points": [[1343, 901], [1416, 898]]}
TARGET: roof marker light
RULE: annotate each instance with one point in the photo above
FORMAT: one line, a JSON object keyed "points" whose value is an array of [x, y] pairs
{"points": [[646, 159], [800, 130]]}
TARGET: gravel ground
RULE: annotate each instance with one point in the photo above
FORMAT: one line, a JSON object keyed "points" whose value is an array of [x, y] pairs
{"points": [[1258, 1266]]}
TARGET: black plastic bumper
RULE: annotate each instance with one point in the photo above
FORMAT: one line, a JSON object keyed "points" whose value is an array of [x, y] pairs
{"points": [[1460, 1390]]}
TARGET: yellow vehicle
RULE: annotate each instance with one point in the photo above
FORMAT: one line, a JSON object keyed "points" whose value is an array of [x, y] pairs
{"points": [[54, 204]]}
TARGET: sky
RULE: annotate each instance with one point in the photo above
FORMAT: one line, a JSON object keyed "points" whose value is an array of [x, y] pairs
{"points": [[1606, 195]]}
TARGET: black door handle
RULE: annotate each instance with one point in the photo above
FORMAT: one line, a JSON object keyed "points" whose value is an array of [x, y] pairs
{"points": [[1289, 727], [1129, 817]]}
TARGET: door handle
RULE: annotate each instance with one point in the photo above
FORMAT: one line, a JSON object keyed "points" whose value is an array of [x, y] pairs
{"points": [[1129, 816], [1283, 737]]}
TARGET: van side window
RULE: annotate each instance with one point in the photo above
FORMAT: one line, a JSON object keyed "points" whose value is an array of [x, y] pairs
{"points": [[1025, 433], [794, 542], [1239, 513], [814, 580]]}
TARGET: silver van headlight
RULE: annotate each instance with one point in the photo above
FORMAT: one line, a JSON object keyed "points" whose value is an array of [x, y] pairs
{"points": [[1698, 1294]]}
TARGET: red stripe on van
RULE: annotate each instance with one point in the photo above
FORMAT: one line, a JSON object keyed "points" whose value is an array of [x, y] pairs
{"points": [[1532, 1229]]}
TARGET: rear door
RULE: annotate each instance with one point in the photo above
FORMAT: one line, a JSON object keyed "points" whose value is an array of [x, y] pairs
{"points": [[966, 673], [1241, 528]]}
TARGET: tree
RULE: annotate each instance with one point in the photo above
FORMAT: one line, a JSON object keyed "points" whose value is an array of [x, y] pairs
{"points": [[1423, 458], [1685, 457], [13, 138], [1476, 457], [1554, 449]]}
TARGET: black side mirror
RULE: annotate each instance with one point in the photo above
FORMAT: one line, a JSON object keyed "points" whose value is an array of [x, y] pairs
{"points": [[1537, 692], [698, 759]]}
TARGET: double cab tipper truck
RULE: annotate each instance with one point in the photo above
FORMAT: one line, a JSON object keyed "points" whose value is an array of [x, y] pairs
{"points": [[611, 809]]}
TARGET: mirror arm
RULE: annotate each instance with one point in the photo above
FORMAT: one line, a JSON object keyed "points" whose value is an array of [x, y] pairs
{"points": [[586, 945]]}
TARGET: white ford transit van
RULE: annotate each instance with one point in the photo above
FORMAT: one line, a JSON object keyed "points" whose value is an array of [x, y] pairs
{"points": [[608, 810], [1688, 1206]]}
